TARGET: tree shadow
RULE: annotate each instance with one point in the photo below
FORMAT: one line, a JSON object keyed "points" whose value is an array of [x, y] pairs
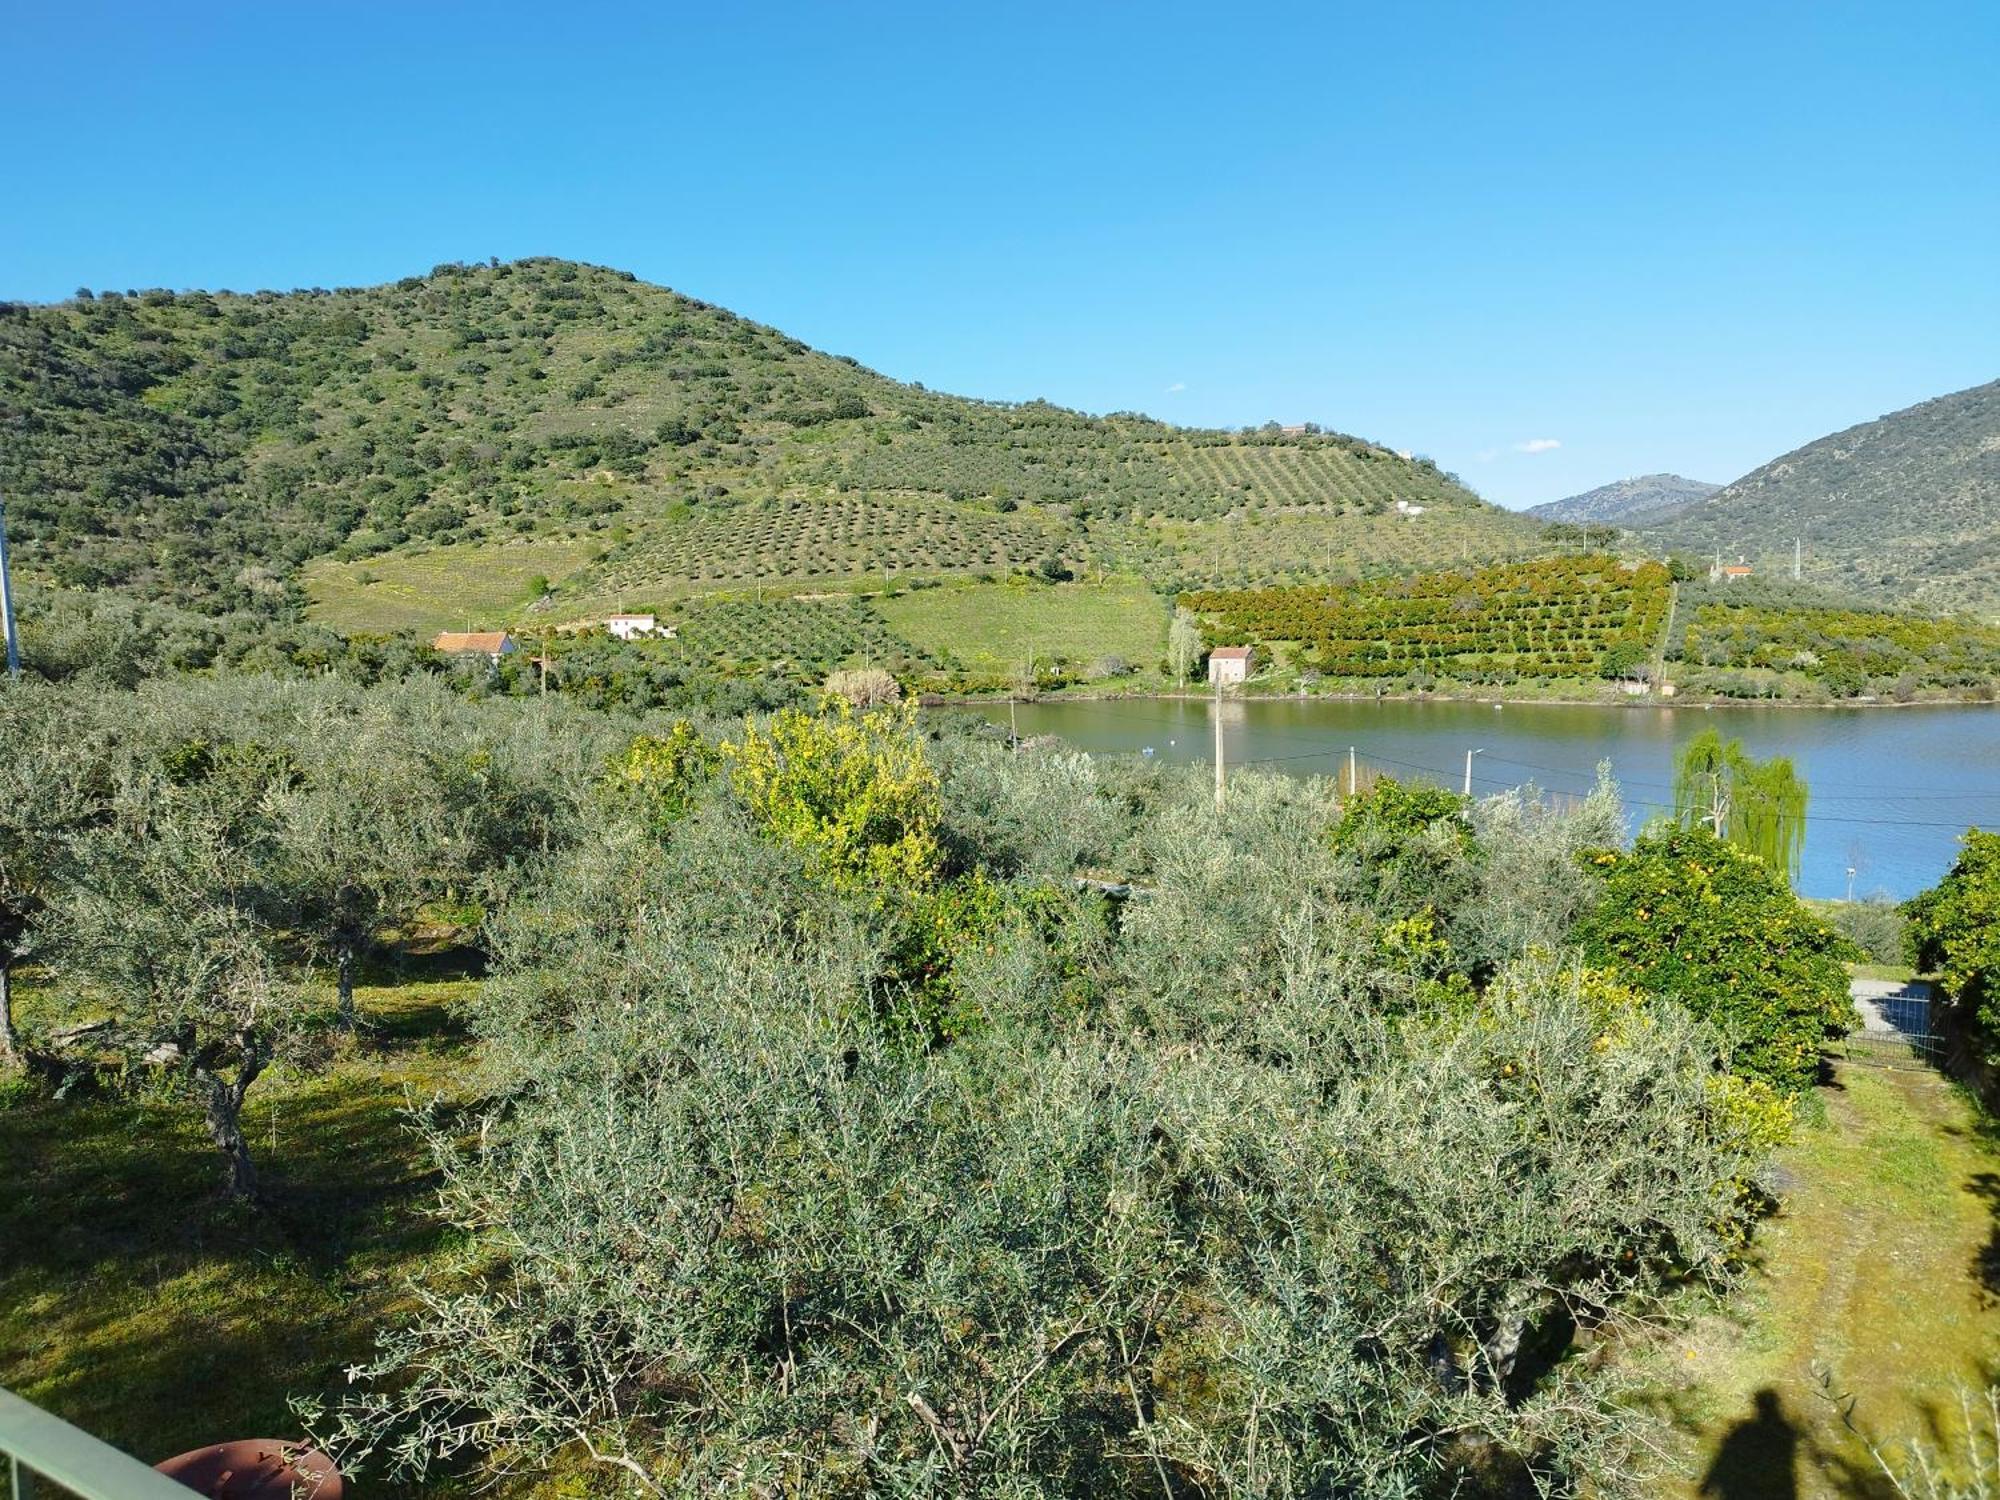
{"points": [[1986, 1261], [1758, 1458]]}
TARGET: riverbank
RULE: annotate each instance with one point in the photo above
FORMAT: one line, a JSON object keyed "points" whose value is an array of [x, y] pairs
{"points": [[1890, 793], [1499, 697]]}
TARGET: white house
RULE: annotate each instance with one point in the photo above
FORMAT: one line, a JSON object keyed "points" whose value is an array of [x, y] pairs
{"points": [[629, 627], [1228, 665]]}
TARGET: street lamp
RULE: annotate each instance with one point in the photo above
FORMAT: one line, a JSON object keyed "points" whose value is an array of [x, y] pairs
{"points": [[1468, 767]]}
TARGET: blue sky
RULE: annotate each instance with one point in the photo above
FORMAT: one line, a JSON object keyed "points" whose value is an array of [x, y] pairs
{"points": [[1682, 237]]}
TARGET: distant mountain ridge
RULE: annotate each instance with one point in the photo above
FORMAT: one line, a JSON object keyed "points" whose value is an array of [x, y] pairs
{"points": [[1903, 509], [1625, 502]]}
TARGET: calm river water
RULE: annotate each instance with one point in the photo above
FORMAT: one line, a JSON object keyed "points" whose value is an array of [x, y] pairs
{"points": [[1892, 789]]}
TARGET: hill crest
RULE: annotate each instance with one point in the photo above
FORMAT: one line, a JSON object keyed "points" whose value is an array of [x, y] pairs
{"points": [[1628, 502], [1902, 509]]}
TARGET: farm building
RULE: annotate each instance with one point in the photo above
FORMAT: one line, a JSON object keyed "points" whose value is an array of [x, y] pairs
{"points": [[1230, 664], [631, 627], [491, 644]]}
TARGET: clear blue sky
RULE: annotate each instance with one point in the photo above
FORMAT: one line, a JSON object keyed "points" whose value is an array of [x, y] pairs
{"points": [[1680, 236]]}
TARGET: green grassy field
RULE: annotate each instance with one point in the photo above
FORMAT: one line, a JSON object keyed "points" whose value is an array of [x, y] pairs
{"points": [[1876, 1280], [467, 586], [993, 627], [133, 1303]]}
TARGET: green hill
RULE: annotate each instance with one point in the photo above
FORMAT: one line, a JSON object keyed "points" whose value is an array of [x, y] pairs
{"points": [[1903, 509], [436, 451]]}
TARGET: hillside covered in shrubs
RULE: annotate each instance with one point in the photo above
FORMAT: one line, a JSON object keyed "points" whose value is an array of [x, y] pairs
{"points": [[206, 448], [1901, 510]]}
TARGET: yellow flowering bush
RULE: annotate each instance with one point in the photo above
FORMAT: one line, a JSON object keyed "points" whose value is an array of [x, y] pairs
{"points": [[852, 791]]}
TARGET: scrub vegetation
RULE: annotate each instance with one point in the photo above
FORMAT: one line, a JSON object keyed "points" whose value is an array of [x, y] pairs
{"points": [[819, 1132]]}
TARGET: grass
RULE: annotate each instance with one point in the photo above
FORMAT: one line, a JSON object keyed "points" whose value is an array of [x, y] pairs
{"points": [[460, 587], [136, 1304], [994, 626], [1877, 1280]]}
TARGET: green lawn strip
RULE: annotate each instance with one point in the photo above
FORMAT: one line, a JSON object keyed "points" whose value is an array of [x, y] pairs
{"points": [[994, 626], [472, 586], [1877, 1271], [135, 1304]]}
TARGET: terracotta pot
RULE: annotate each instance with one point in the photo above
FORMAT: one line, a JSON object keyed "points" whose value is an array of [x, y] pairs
{"points": [[256, 1469]]}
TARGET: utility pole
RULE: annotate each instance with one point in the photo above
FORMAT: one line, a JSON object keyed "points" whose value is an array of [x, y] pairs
{"points": [[7, 601], [1353, 781], [1218, 743]]}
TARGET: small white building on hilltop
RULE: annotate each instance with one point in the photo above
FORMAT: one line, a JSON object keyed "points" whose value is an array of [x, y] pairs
{"points": [[631, 627], [1229, 665]]}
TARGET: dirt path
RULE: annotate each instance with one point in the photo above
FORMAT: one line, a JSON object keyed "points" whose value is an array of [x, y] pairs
{"points": [[1879, 1279]]}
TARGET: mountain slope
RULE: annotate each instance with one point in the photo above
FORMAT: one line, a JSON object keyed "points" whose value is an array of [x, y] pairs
{"points": [[547, 421], [1904, 508], [1626, 502]]}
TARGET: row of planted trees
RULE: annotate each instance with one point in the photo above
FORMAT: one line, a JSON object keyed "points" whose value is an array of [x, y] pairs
{"points": [[835, 1141]]}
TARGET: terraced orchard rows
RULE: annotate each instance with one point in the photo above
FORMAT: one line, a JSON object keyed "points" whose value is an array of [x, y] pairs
{"points": [[841, 537], [1556, 618]]}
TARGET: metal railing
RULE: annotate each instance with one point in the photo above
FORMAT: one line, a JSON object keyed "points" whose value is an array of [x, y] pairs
{"points": [[40, 1447]]}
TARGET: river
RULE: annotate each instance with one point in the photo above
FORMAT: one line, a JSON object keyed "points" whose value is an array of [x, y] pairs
{"points": [[1892, 789]]}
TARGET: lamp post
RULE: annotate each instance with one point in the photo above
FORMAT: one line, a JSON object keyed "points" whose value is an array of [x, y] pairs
{"points": [[1468, 767], [7, 600]]}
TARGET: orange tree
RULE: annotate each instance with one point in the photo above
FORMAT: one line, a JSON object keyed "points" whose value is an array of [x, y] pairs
{"points": [[1954, 929], [1688, 916]]}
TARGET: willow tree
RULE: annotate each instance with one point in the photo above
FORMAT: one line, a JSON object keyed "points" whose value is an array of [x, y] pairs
{"points": [[1759, 806], [1183, 644]]}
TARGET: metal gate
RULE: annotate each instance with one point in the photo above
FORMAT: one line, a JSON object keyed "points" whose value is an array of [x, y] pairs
{"points": [[1897, 1024]]}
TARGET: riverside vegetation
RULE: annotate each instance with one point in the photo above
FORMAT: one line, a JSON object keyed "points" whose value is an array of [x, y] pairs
{"points": [[821, 1134]]}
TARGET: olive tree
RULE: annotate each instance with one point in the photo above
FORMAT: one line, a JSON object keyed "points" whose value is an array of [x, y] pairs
{"points": [[164, 932], [369, 831], [723, 1231], [42, 801]]}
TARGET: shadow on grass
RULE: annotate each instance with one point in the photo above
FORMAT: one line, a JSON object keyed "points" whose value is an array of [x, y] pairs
{"points": [[139, 1304], [1758, 1457]]}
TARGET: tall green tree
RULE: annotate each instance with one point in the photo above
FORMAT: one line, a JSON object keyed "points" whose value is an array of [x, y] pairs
{"points": [[1183, 644], [1759, 806]]}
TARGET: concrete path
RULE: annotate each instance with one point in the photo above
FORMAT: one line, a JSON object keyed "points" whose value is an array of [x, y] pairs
{"points": [[1893, 1009]]}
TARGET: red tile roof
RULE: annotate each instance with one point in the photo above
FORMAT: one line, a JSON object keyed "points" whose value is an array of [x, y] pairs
{"points": [[1231, 653], [466, 642]]}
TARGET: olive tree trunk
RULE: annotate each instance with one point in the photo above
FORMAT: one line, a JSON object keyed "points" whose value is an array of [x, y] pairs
{"points": [[10, 1044], [222, 1108], [343, 968]]}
